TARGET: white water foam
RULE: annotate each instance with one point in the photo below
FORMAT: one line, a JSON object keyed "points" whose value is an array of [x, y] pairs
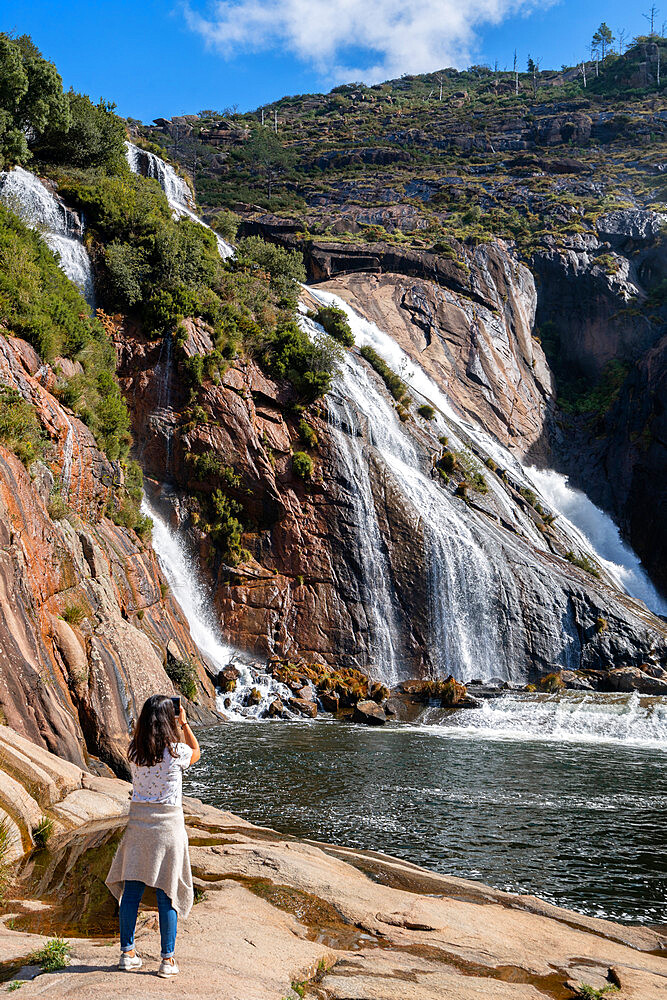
{"points": [[569, 717], [26, 196]]}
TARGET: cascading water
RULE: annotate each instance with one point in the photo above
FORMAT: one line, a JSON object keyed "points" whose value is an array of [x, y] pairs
{"points": [[572, 717], [467, 636], [591, 530], [175, 188], [25, 195], [183, 578], [596, 530]]}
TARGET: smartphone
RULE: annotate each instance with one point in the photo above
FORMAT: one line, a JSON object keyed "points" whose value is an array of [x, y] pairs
{"points": [[177, 706]]}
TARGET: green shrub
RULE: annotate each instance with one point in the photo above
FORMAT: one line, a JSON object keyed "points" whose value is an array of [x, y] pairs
{"points": [[94, 136], [302, 465], [39, 304], [31, 98], [41, 833], [226, 223], [225, 528], [74, 614], [308, 435], [583, 562], [310, 366], [396, 385], [426, 411], [53, 956], [335, 322], [20, 430], [183, 674]]}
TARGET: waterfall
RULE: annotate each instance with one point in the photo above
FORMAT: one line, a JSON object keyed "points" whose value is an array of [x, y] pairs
{"points": [[596, 530], [175, 188], [26, 196], [470, 578], [589, 529], [192, 595]]}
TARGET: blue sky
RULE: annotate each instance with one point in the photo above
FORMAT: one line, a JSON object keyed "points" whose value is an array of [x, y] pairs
{"points": [[170, 58]]}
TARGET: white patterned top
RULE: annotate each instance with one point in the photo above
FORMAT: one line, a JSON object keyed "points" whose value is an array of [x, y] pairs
{"points": [[163, 782]]}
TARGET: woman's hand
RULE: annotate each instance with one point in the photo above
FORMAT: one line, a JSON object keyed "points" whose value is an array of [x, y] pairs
{"points": [[182, 718]]}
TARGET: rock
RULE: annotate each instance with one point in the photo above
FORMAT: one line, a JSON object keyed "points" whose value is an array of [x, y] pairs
{"points": [[305, 693], [634, 679], [226, 679], [329, 702], [276, 709], [253, 697], [304, 707], [370, 713], [575, 681], [630, 225], [379, 692]]}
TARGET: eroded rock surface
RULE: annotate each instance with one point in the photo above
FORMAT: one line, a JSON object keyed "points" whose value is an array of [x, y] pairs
{"points": [[85, 612], [277, 913]]}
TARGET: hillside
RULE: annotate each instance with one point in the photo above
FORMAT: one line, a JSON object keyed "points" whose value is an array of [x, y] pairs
{"points": [[393, 179]]}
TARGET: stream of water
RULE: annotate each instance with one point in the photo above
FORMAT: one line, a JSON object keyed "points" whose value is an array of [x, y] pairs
{"points": [[24, 194], [566, 801]]}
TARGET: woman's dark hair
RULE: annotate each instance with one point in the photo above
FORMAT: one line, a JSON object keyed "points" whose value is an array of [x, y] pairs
{"points": [[155, 732]]}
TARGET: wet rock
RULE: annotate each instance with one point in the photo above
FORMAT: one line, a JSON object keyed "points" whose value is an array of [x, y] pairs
{"points": [[253, 697], [379, 692], [575, 681], [276, 709], [634, 679], [305, 693], [226, 679], [304, 707], [370, 713], [329, 702]]}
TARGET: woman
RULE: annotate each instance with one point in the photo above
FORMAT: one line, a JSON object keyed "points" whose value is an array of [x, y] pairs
{"points": [[154, 848]]}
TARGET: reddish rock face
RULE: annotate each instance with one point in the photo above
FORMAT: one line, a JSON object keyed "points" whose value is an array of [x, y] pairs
{"points": [[305, 590], [84, 622]]}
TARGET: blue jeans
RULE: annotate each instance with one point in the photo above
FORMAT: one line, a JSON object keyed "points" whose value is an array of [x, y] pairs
{"points": [[129, 908]]}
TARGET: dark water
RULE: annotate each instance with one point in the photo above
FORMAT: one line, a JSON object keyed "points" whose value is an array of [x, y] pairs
{"points": [[581, 825]]}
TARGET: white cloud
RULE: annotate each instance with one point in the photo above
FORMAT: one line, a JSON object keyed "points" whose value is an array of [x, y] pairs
{"points": [[394, 36]]}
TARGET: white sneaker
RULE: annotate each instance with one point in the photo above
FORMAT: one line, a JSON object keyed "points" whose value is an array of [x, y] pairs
{"points": [[168, 968], [129, 963]]}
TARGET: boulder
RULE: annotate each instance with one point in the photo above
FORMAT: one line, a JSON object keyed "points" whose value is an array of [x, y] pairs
{"points": [[634, 679], [305, 693], [303, 707], [227, 678], [329, 702], [276, 709], [575, 682], [370, 713]]}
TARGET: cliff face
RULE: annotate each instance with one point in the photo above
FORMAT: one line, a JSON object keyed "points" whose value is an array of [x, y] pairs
{"points": [[85, 613], [361, 565], [601, 303], [475, 341]]}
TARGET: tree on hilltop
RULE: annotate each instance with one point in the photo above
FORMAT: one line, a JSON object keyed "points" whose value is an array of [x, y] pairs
{"points": [[603, 39]]}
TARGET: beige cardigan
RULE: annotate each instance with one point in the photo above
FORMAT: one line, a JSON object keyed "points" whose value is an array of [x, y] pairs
{"points": [[154, 850]]}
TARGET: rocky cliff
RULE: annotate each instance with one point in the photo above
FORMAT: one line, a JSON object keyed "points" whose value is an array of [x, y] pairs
{"points": [[85, 613], [304, 586]]}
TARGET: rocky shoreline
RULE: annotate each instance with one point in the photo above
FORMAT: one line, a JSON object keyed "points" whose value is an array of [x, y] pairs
{"points": [[280, 918], [306, 690]]}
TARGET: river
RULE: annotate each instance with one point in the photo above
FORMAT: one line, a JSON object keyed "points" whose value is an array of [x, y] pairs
{"points": [[557, 809]]}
